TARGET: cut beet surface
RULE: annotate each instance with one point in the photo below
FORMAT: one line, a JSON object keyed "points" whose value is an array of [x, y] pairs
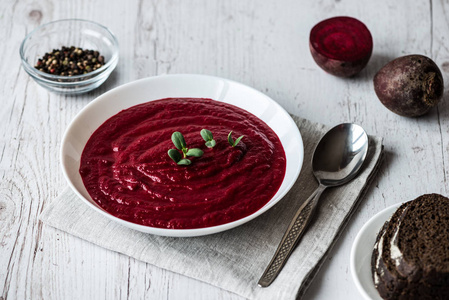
{"points": [[341, 46]]}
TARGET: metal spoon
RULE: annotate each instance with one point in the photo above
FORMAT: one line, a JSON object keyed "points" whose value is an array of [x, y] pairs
{"points": [[337, 159]]}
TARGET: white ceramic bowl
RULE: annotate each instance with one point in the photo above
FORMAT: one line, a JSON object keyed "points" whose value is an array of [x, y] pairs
{"points": [[362, 250], [197, 86]]}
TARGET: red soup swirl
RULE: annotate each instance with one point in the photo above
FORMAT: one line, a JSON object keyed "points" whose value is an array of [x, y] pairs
{"points": [[127, 171]]}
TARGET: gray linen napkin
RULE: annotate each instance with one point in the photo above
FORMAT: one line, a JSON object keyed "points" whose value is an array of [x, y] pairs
{"points": [[235, 259]]}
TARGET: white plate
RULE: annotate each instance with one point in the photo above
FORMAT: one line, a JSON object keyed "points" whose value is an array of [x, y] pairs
{"points": [[197, 86], [361, 252]]}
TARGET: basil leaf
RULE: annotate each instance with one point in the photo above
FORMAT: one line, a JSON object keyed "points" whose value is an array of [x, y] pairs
{"points": [[175, 155], [195, 152], [184, 162], [207, 135], [237, 140], [211, 144], [178, 140]]}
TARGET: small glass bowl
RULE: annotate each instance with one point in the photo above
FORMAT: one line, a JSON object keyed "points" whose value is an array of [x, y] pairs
{"points": [[83, 34]]}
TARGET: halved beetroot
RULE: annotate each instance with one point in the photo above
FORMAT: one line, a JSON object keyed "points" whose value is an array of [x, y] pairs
{"points": [[341, 46]]}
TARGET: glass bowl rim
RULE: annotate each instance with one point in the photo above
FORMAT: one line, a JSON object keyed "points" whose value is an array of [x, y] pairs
{"points": [[54, 78]]}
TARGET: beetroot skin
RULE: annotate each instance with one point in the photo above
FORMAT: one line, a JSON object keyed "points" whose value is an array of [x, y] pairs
{"points": [[341, 46], [410, 85]]}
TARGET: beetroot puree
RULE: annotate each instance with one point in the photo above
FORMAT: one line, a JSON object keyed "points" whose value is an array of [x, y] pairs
{"points": [[126, 169]]}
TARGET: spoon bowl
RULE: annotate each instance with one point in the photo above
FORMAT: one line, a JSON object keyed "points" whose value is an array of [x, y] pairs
{"points": [[340, 154], [337, 159]]}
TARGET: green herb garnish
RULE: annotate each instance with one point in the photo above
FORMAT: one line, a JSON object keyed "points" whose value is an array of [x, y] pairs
{"points": [[232, 142], [208, 137], [178, 140], [195, 152], [180, 143], [184, 162]]}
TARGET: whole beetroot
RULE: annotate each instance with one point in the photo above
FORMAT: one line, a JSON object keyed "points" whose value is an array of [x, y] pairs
{"points": [[409, 85]]}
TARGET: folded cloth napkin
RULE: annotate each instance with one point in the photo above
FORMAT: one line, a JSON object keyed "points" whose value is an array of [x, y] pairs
{"points": [[235, 259]]}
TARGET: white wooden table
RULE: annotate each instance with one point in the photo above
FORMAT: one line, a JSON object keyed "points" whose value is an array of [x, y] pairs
{"points": [[263, 44]]}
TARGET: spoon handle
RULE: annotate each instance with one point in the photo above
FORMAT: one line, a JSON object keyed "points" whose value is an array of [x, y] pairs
{"points": [[291, 237]]}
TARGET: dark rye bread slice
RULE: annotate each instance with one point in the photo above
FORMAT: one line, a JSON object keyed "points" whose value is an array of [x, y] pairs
{"points": [[386, 279], [376, 261], [423, 240], [390, 276], [414, 260]]}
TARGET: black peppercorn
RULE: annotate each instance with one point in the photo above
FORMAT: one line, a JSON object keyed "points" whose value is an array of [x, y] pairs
{"points": [[69, 61]]}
